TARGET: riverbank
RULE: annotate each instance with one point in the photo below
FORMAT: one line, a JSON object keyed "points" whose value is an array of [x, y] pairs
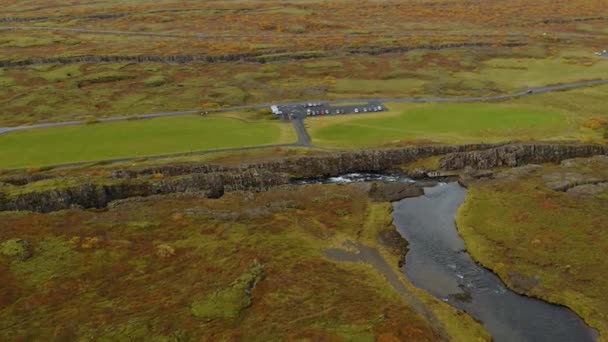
{"points": [[544, 239], [248, 265], [438, 263]]}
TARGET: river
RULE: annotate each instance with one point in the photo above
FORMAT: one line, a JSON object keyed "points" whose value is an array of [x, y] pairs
{"points": [[438, 263]]}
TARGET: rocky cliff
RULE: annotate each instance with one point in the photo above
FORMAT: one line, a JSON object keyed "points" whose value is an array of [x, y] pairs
{"points": [[326, 165], [261, 57], [212, 185], [519, 154], [213, 180]]}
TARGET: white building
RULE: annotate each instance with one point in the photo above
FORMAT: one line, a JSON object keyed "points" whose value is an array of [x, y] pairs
{"points": [[275, 110]]}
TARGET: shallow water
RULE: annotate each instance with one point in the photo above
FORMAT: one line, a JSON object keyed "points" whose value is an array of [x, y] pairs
{"points": [[437, 263], [354, 178]]}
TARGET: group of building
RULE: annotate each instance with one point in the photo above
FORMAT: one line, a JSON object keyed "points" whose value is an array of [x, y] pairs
{"points": [[602, 53]]}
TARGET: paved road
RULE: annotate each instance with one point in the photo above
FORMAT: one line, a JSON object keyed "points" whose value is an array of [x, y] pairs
{"points": [[303, 137], [529, 92]]}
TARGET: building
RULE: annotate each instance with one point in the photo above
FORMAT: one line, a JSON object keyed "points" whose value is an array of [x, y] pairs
{"points": [[275, 110]]}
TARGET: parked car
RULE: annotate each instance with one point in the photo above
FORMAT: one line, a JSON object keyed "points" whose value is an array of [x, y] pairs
{"points": [[356, 110]]}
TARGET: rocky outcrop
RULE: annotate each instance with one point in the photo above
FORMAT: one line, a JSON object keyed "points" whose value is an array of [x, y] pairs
{"points": [[519, 154], [213, 180], [395, 243], [261, 57], [212, 185], [392, 192], [319, 166], [564, 181], [24, 179], [589, 189], [127, 59]]}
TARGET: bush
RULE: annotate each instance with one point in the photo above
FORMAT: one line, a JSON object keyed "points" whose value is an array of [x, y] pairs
{"points": [[16, 248]]}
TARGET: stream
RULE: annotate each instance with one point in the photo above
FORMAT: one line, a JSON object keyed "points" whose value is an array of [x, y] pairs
{"points": [[438, 263]]}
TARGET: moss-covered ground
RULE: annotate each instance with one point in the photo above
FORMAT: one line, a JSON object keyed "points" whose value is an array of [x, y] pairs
{"points": [[545, 243], [247, 266]]}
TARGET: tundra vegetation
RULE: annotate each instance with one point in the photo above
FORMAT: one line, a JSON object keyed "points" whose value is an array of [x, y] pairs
{"points": [[388, 48], [543, 230], [252, 266], [248, 266]]}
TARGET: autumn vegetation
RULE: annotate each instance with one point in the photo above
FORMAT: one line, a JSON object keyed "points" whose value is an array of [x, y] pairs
{"points": [[544, 242], [247, 266], [293, 51]]}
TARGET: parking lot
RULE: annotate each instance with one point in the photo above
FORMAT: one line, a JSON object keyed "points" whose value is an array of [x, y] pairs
{"points": [[313, 109]]}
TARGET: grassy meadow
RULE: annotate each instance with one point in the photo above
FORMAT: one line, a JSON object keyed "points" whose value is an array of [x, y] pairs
{"points": [[136, 138], [445, 123], [570, 115]]}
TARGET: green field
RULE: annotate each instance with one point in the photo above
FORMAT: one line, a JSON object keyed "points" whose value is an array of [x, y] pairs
{"points": [[135, 138], [447, 123]]}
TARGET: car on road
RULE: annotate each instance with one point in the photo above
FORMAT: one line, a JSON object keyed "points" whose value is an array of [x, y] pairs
{"points": [[356, 110]]}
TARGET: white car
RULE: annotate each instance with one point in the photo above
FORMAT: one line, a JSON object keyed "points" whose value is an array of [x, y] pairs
{"points": [[356, 110]]}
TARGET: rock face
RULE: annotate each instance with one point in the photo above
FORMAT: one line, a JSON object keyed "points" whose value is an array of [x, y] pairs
{"points": [[391, 192], [391, 239], [519, 154], [329, 165], [213, 180], [212, 185], [259, 57], [589, 189], [24, 179]]}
